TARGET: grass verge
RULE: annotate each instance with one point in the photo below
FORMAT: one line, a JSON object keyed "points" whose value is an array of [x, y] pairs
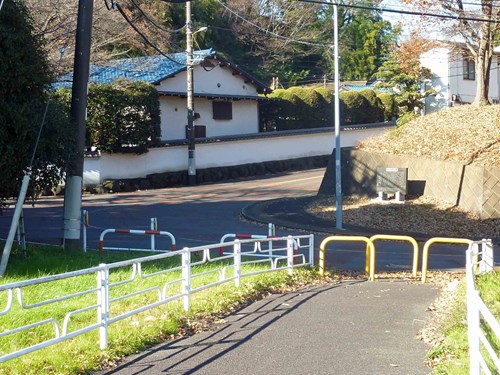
{"points": [[450, 354], [82, 354]]}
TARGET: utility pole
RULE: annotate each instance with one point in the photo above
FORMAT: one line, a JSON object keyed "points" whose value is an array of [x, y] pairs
{"points": [[338, 169], [74, 178], [189, 94]]}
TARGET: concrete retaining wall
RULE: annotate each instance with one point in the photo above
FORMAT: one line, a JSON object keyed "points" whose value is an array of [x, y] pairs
{"points": [[472, 187]]}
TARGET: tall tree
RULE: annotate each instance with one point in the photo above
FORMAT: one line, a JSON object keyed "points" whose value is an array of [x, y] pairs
{"points": [[296, 37], [477, 23], [403, 76], [25, 79], [365, 43]]}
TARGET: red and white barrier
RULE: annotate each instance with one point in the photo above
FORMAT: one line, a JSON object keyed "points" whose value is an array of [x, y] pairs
{"points": [[135, 231], [244, 236]]}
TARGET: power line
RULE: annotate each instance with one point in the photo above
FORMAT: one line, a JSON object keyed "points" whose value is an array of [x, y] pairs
{"points": [[270, 32], [407, 12], [153, 22], [1, 4], [148, 42]]}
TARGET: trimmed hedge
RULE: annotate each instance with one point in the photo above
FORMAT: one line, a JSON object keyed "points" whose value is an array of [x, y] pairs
{"points": [[375, 110], [354, 108], [123, 117], [389, 104], [304, 108]]}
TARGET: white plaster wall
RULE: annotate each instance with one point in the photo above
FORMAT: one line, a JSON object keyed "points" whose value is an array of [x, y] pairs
{"points": [[245, 118], [157, 160], [174, 118], [218, 154], [215, 81], [92, 171], [437, 61]]}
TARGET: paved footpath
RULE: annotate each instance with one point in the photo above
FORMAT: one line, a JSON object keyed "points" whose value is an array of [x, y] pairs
{"points": [[355, 327]]}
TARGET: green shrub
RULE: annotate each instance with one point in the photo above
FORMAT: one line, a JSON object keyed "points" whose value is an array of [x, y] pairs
{"points": [[406, 118], [291, 103], [375, 111], [326, 94], [122, 117], [389, 104], [316, 112], [354, 108]]}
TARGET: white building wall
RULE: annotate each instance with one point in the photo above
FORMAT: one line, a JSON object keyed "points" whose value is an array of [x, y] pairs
{"points": [[216, 80], [448, 79], [174, 118], [220, 154], [437, 61], [245, 118]]}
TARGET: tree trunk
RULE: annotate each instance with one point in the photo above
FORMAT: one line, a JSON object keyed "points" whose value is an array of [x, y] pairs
{"points": [[483, 64]]}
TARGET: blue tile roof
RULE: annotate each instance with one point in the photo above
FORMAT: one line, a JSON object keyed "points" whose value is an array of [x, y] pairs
{"points": [[358, 87], [150, 69]]}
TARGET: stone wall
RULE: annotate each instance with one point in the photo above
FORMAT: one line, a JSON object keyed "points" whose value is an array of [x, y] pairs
{"points": [[472, 187]]}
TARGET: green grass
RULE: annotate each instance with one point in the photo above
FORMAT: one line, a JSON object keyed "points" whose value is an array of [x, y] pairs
{"points": [[452, 355], [82, 354]]}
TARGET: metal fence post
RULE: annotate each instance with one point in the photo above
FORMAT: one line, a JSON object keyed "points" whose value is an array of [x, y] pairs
{"points": [[85, 224], [289, 254], [103, 302], [473, 331], [186, 278], [311, 250], [21, 232], [237, 262], [154, 226], [271, 233], [486, 264]]}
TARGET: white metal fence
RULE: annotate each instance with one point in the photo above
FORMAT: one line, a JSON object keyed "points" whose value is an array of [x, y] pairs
{"points": [[479, 318], [171, 276]]}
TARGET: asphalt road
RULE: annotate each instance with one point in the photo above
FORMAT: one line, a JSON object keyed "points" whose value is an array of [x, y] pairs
{"points": [[200, 215], [196, 215]]}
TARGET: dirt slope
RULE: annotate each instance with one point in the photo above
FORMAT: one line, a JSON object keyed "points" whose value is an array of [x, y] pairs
{"points": [[464, 134]]}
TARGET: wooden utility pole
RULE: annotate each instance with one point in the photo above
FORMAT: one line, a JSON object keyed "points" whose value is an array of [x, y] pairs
{"points": [[74, 177]]}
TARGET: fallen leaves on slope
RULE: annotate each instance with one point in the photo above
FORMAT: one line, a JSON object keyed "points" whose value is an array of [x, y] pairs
{"points": [[465, 134]]}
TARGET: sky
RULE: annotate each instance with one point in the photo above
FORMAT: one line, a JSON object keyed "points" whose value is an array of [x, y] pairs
{"points": [[411, 23]]}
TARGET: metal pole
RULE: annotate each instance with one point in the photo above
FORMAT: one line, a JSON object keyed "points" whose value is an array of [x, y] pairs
{"points": [[74, 180], [189, 94], [14, 224], [338, 171]]}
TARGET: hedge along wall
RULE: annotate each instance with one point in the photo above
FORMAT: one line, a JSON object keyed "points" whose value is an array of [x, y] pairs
{"points": [[121, 117], [472, 187], [305, 108]]}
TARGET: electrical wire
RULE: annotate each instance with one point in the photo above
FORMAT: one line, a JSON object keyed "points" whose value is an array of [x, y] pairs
{"points": [[407, 12], [153, 22], [110, 7], [267, 31], [1, 4], [148, 42]]}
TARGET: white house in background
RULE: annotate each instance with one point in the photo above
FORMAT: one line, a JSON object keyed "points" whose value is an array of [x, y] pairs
{"points": [[225, 97], [454, 77], [226, 101]]}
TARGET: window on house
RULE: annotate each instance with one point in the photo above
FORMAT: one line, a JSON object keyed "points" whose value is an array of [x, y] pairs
{"points": [[469, 69], [222, 110]]}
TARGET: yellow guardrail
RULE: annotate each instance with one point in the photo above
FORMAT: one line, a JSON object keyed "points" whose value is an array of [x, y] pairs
{"points": [[425, 253], [370, 252], [399, 238]]}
